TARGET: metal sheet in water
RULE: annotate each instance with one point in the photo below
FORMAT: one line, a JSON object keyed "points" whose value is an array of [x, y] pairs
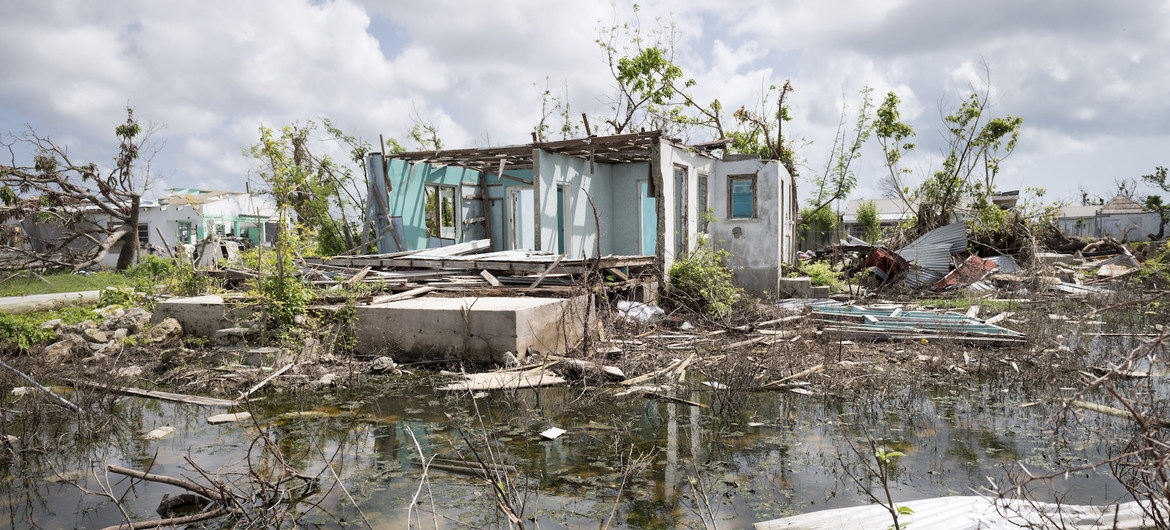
{"points": [[969, 513]]}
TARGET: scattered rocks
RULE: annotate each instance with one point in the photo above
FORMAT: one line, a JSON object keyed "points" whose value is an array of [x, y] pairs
{"points": [[508, 359], [383, 365], [159, 433], [233, 336], [165, 332], [69, 345], [134, 320], [129, 371], [96, 336]]}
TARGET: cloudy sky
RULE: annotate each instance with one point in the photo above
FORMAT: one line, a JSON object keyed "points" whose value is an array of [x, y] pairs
{"points": [[1089, 78]]}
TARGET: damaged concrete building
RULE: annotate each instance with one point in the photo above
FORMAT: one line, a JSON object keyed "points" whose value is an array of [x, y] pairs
{"points": [[625, 195]]}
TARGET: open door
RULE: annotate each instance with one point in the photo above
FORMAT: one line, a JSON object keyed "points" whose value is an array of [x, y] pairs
{"points": [[649, 216], [521, 218]]}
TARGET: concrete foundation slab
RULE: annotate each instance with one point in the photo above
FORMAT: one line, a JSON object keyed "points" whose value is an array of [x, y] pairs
{"points": [[200, 316], [470, 328]]}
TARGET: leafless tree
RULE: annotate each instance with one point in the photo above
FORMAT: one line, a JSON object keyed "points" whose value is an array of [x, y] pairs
{"points": [[90, 210]]}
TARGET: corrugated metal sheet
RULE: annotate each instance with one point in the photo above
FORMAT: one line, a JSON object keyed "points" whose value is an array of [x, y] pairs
{"points": [[1007, 264], [896, 324], [970, 513], [954, 235], [1125, 260], [928, 264], [930, 255]]}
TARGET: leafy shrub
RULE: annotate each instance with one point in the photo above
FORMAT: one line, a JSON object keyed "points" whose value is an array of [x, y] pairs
{"points": [[702, 282], [119, 296], [22, 331], [821, 273]]}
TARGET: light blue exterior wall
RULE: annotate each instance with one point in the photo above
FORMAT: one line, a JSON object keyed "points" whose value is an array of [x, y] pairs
{"points": [[407, 198], [579, 184], [626, 204]]}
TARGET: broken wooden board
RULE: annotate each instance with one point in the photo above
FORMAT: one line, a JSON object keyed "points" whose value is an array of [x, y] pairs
{"points": [[165, 396], [504, 381], [159, 433], [413, 293], [229, 418]]}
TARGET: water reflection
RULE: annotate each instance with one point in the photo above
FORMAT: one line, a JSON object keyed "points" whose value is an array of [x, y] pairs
{"points": [[641, 462]]}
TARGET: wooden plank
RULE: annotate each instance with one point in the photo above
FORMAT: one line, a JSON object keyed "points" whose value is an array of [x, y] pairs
{"points": [[359, 276], [490, 278], [747, 342], [261, 384], [419, 291], [458, 249], [617, 273], [229, 418], [485, 200], [517, 179], [548, 270], [165, 396], [504, 381]]}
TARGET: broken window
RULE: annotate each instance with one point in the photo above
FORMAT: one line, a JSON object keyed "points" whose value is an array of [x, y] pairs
{"points": [[143, 233], [741, 196], [440, 211]]}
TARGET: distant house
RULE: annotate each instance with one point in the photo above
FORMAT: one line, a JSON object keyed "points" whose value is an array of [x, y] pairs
{"points": [[890, 213], [893, 212], [631, 194], [183, 216], [1121, 218]]}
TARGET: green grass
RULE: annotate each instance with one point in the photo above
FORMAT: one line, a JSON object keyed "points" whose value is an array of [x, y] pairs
{"points": [[61, 282]]}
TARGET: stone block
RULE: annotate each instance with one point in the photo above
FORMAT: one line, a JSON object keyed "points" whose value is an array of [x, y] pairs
{"points": [[475, 329], [794, 287]]}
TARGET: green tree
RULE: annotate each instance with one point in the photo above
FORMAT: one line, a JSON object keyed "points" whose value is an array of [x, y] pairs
{"points": [[837, 180], [871, 224], [761, 131], [977, 144], [894, 136], [1155, 202], [326, 196]]}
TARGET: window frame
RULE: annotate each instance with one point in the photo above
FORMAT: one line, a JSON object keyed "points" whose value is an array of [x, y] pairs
{"points": [[731, 181], [436, 216]]}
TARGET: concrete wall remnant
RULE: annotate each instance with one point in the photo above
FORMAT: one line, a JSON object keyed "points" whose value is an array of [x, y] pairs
{"points": [[475, 329]]}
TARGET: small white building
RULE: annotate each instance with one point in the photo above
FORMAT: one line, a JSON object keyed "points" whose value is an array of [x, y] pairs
{"points": [[1122, 218]]}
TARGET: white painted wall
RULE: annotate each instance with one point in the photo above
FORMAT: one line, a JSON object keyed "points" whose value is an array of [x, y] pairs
{"points": [[758, 247], [693, 163]]}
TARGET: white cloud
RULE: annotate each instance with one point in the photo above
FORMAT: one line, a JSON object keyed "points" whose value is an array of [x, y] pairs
{"points": [[1082, 74]]}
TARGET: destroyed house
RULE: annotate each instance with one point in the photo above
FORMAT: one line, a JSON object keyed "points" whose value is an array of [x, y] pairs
{"points": [[631, 194]]}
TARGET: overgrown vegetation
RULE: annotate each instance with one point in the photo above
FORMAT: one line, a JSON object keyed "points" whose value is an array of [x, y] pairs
{"points": [[20, 332], [820, 273], [701, 281]]}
